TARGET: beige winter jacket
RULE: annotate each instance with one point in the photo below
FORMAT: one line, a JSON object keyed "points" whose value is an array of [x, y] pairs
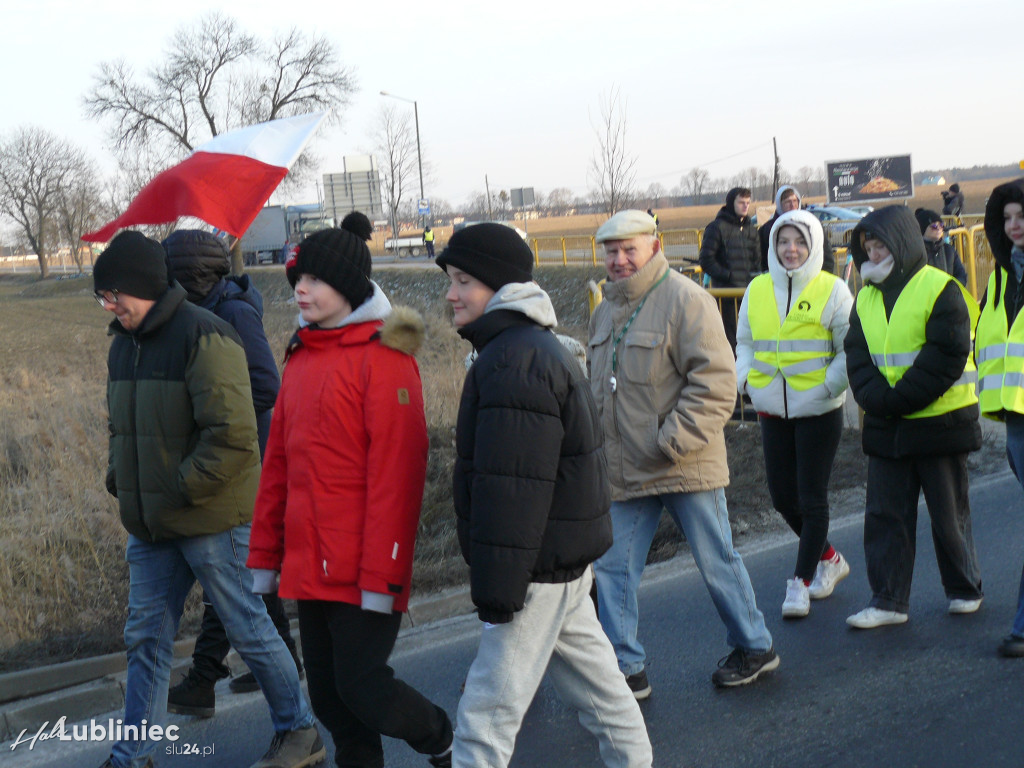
{"points": [[675, 384]]}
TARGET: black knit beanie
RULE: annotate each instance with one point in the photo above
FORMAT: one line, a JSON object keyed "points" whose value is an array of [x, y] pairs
{"points": [[132, 264], [358, 224], [492, 253], [925, 217], [339, 258]]}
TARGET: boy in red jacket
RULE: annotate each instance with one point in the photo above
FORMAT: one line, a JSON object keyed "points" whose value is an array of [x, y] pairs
{"points": [[339, 500]]}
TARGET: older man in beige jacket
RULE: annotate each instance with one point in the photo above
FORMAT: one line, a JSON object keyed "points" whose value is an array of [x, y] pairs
{"points": [[664, 380]]}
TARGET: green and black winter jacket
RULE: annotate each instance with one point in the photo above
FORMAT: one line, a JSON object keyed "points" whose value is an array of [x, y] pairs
{"points": [[184, 458]]}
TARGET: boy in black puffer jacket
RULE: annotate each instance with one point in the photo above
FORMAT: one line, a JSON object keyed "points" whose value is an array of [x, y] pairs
{"points": [[531, 496], [908, 358]]}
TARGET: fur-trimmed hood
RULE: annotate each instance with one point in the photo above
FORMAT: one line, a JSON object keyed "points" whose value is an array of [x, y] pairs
{"points": [[403, 330]]}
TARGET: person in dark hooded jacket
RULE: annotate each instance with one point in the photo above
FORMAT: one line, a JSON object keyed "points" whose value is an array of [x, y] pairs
{"points": [[730, 253], [1000, 334], [201, 263], [941, 252], [908, 359]]}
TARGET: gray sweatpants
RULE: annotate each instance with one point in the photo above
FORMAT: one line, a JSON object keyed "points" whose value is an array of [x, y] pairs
{"points": [[558, 632]]}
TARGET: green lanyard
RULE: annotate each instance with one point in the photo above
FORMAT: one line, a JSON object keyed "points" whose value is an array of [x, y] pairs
{"points": [[618, 339]]}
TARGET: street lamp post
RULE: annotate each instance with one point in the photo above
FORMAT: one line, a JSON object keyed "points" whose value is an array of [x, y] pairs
{"points": [[419, 157]]}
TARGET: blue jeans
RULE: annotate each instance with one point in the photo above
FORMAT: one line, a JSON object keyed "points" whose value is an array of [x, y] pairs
{"points": [[703, 518], [1015, 456], [161, 576]]}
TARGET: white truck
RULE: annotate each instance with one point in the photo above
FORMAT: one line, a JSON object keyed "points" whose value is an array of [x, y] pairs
{"points": [[265, 239], [405, 246]]}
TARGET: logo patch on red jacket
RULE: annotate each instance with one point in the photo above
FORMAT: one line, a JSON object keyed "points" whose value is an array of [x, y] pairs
{"points": [[403, 396]]}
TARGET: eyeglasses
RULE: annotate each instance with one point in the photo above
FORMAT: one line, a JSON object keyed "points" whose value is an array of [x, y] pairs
{"points": [[936, 225], [103, 298]]}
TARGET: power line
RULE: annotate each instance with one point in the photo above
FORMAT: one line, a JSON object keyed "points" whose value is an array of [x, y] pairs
{"points": [[709, 162]]}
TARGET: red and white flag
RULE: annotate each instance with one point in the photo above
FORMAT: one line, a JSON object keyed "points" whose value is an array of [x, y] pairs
{"points": [[224, 182]]}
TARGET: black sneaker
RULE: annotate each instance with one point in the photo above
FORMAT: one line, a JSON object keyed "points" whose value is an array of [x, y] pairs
{"points": [[441, 761], [247, 683], [638, 685], [1012, 646], [741, 667], [192, 696], [244, 683]]}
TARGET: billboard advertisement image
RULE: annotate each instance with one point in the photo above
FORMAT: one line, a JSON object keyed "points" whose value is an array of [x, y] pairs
{"points": [[875, 178]]}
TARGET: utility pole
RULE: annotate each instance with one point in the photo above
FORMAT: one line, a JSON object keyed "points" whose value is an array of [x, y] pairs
{"points": [[487, 186]]}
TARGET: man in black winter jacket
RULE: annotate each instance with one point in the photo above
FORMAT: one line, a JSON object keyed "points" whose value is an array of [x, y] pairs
{"points": [[201, 263], [730, 253], [908, 358], [531, 497]]}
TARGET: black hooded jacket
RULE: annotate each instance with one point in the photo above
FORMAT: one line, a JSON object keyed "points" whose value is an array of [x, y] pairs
{"points": [[1006, 281], [730, 251], [938, 365], [201, 263]]}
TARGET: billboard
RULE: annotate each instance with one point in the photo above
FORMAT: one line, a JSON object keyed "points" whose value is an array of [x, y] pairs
{"points": [[875, 178]]}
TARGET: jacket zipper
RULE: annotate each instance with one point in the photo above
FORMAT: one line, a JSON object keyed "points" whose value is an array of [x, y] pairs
{"points": [[135, 435], [785, 391]]}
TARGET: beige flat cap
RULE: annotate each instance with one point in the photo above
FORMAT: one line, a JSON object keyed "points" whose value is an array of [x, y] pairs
{"points": [[626, 224]]}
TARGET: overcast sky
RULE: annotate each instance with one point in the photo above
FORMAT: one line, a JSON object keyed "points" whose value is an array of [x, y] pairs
{"points": [[513, 91]]}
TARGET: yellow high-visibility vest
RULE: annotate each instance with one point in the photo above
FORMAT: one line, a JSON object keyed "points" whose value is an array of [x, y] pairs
{"points": [[1000, 355], [428, 236], [895, 343], [800, 348]]}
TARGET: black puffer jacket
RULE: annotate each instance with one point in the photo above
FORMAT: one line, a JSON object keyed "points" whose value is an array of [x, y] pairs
{"points": [[1011, 192], [730, 251], [531, 482], [938, 365]]}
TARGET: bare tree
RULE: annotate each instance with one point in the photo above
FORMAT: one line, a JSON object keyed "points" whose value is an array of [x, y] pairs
{"points": [[35, 166], [394, 145], [696, 182], [216, 77], [560, 201], [612, 168], [654, 194], [79, 207]]}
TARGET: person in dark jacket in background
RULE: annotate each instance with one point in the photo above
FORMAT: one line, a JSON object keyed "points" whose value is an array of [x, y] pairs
{"points": [[908, 358], [996, 348], [201, 263], [184, 465], [531, 497], [788, 199], [941, 252], [730, 253], [952, 201]]}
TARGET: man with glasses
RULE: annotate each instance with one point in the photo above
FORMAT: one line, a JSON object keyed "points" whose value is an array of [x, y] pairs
{"points": [[184, 465]]}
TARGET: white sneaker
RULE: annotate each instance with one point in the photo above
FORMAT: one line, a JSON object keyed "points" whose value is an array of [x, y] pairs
{"points": [[871, 617], [798, 602], [827, 575], [956, 605]]}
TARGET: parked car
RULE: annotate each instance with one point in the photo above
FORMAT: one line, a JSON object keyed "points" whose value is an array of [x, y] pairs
{"points": [[837, 222], [863, 210]]}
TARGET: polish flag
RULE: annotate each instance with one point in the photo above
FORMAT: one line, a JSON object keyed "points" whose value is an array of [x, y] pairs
{"points": [[224, 182]]}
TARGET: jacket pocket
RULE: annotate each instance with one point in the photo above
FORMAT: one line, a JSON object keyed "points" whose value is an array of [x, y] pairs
{"points": [[641, 351]]}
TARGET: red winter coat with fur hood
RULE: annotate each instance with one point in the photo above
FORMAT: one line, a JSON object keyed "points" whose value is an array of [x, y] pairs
{"points": [[342, 483]]}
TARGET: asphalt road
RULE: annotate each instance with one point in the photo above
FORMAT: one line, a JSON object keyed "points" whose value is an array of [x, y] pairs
{"points": [[930, 693]]}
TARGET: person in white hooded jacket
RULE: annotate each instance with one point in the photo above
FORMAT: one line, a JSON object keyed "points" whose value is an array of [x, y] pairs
{"points": [[790, 362]]}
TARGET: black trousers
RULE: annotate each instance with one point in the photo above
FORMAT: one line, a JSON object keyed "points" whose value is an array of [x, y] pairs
{"points": [[798, 457], [890, 527], [354, 692], [212, 645]]}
